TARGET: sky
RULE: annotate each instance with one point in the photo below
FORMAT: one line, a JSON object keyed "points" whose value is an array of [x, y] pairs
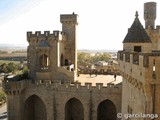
{"points": [[103, 24]]}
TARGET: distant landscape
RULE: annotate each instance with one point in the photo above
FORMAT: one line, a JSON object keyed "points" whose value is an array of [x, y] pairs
{"points": [[11, 47], [13, 52]]}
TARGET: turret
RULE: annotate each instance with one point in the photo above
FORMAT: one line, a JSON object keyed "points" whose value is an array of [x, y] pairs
{"points": [[149, 14], [137, 39]]}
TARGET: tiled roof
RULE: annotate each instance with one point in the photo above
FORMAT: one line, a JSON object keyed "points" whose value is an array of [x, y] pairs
{"points": [[137, 34]]}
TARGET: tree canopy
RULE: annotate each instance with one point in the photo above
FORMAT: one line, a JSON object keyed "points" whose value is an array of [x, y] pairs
{"points": [[86, 57]]}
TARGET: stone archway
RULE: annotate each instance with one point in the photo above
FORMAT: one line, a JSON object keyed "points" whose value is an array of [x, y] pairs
{"points": [[74, 110], [106, 111], [35, 109]]}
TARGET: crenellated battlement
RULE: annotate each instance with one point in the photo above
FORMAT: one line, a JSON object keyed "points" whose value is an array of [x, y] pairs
{"points": [[158, 27], [154, 30], [13, 87], [157, 30], [59, 35], [140, 64], [141, 59], [68, 18], [67, 85]]}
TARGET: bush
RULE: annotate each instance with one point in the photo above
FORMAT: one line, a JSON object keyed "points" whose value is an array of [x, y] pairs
{"points": [[10, 67], [2, 97]]}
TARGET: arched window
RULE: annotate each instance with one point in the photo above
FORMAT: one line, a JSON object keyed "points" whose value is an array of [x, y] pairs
{"points": [[44, 61]]}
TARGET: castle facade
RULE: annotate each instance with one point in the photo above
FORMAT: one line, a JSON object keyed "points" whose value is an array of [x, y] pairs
{"points": [[51, 93]]}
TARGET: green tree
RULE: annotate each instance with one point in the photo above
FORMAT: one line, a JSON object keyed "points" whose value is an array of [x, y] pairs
{"points": [[99, 57], [3, 68], [105, 57], [12, 67], [85, 57], [2, 96], [25, 69], [81, 57]]}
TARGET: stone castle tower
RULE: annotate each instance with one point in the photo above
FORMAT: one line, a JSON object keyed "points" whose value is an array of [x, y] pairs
{"points": [[139, 64], [50, 92], [53, 56]]}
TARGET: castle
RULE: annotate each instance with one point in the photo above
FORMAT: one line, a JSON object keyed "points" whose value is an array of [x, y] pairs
{"points": [[51, 93]]}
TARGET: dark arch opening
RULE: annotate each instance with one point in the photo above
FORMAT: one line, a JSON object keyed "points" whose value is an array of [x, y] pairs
{"points": [[74, 110], [35, 109], [62, 60], [106, 111]]}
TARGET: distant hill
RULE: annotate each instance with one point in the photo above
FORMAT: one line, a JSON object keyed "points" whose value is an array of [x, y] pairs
{"points": [[88, 50], [12, 46]]}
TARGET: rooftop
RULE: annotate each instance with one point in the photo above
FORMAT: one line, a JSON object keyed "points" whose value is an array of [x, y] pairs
{"points": [[137, 34]]}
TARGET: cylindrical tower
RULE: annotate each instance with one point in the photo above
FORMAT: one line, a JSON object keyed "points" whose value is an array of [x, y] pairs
{"points": [[150, 14]]}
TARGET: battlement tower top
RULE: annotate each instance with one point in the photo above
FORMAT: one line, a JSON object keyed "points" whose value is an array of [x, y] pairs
{"points": [[56, 35], [45, 33], [69, 18]]}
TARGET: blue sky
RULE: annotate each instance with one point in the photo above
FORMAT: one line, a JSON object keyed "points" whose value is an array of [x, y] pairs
{"points": [[102, 24], [9, 9]]}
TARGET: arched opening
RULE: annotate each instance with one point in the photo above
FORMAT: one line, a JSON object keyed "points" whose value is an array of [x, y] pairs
{"points": [[66, 63], [106, 111], [44, 61], [35, 109], [74, 110], [62, 60]]}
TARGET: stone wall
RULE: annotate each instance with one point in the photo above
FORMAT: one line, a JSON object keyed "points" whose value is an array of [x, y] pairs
{"points": [[56, 95]]}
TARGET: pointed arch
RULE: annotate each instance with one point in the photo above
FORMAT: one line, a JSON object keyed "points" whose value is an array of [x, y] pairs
{"points": [[106, 110], [62, 60], [74, 110], [35, 109]]}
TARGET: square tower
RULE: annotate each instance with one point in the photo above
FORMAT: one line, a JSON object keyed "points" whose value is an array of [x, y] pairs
{"points": [[69, 26]]}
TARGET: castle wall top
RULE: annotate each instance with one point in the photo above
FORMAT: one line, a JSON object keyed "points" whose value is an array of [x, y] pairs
{"points": [[9, 86], [59, 35], [133, 57], [68, 18], [45, 33], [140, 65], [155, 31], [79, 86]]}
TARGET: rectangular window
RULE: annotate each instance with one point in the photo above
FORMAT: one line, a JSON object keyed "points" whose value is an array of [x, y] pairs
{"points": [[137, 49]]}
